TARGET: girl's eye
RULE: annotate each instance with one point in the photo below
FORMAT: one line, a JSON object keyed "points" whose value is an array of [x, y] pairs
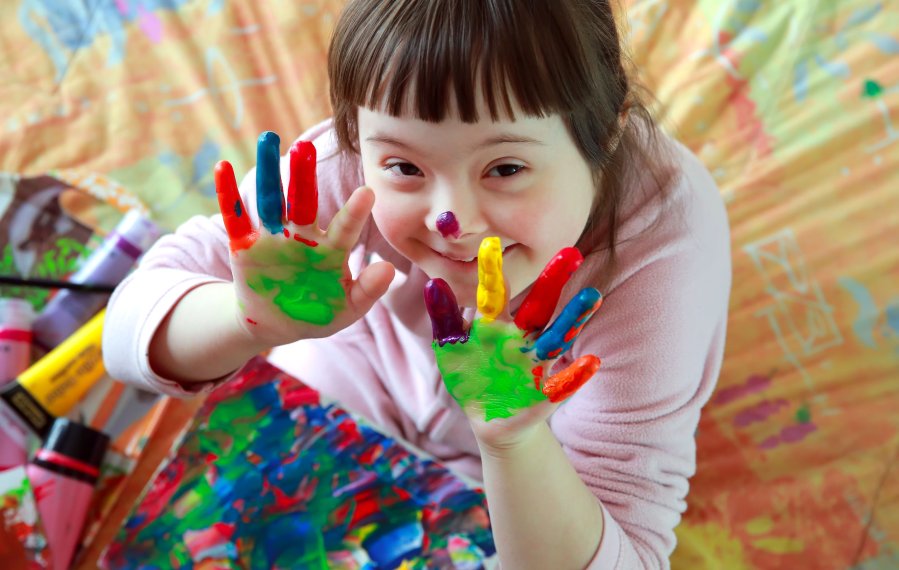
{"points": [[504, 170], [403, 169]]}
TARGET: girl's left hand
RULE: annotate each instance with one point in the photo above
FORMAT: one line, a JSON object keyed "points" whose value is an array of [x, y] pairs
{"points": [[496, 369]]}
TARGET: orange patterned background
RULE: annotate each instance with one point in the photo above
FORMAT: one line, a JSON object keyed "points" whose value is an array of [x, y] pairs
{"points": [[793, 105]]}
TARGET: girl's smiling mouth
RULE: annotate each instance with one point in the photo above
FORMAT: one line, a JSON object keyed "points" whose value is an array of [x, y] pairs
{"points": [[465, 259]]}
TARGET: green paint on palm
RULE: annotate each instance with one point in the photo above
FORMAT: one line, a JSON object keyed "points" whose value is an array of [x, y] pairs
{"points": [[489, 371], [804, 414], [304, 282]]}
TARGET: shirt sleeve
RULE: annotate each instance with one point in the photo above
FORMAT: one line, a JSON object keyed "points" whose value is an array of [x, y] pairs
{"points": [[195, 255], [660, 332]]}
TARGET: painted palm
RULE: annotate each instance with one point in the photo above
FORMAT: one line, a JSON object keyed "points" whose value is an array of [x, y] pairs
{"points": [[291, 277], [496, 368]]}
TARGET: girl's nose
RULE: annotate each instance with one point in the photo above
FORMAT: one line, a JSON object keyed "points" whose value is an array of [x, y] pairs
{"points": [[456, 216]]}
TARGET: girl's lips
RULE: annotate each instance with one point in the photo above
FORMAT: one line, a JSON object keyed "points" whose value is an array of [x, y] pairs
{"points": [[474, 260]]}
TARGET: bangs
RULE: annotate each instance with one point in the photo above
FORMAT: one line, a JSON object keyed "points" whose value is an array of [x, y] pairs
{"points": [[430, 58]]}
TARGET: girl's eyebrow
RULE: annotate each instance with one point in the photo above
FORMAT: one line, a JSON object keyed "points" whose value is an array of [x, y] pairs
{"points": [[502, 138]]}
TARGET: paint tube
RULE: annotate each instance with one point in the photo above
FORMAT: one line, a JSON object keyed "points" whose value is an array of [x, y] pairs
{"points": [[55, 383], [63, 473], [16, 317], [107, 265]]}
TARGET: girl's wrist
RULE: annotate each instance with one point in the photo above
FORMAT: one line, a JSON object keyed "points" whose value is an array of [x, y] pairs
{"points": [[510, 446]]}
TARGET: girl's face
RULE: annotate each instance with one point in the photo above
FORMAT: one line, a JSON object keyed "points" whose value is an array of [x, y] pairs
{"points": [[523, 181]]}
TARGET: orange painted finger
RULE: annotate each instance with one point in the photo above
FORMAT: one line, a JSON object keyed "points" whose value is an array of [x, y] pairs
{"points": [[237, 222], [562, 385], [302, 189]]}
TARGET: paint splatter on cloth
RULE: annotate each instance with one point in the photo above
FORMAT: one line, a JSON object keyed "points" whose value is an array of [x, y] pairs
{"points": [[21, 522], [268, 476]]}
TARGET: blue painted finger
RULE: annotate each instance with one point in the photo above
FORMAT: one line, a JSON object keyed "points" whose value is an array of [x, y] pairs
{"points": [[558, 338], [269, 193]]}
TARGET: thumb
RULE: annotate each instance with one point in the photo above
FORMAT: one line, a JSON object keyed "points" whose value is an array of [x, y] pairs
{"points": [[369, 286]]}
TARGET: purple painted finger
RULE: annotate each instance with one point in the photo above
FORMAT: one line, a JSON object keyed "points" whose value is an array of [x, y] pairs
{"points": [[446, 318]]}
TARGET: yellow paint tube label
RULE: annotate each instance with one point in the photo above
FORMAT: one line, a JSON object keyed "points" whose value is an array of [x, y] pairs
{"points": [[59, 380]]}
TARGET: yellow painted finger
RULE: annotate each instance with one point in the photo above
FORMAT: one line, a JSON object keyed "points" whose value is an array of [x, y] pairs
{"points": [[491, 288]]}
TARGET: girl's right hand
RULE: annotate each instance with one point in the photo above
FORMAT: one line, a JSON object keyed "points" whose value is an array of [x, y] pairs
{"points": [[291, 278]]}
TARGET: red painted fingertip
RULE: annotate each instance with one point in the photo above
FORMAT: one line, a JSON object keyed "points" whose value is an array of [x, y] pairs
{"points": [[537, 308], [237, 222], [562, 385], [302, 189]]}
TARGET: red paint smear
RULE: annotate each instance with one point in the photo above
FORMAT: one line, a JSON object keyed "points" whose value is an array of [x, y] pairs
{"points": [[42, 491], [251, 321], [537, 371], [351, 434], [309, 242], [225, 529], [368, 456], [286, 233], [300, 397]]}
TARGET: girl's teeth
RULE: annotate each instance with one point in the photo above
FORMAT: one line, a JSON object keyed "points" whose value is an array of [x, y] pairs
{"points": [[470, 259]]}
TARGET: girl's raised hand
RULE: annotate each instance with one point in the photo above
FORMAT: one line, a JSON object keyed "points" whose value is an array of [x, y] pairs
{"points": [[496, 370], [291, 278]]}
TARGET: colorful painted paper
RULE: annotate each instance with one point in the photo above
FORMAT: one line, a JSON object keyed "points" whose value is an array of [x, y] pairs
{"points": [[266, 476], [19, 516]]}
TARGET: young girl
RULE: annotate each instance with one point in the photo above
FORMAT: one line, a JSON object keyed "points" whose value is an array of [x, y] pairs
{"points": [[455, 121]]}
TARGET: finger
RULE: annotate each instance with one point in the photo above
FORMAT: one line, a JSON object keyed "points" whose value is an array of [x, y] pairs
{"points": [[237, 222], [269, 193], [538, 306], [370, 286], [562, 385], [491, 283], [344, 229], [559, 337], [302, 188], [446, 318]]}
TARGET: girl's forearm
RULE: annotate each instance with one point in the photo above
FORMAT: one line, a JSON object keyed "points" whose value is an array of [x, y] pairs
{"points": [[542, 514], [201, 338]]}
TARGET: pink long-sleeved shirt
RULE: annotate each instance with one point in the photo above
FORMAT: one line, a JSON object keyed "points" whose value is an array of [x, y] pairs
{"points": [[629, 432]]}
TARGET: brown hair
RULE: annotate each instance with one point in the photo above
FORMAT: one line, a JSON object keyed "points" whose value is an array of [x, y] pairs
{"points": [[551, 56]]}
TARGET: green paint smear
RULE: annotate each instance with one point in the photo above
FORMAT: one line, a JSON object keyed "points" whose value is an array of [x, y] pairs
{"points": [[489, 371], [309, 287], [56, 263], [872, 89], [804, 414]]}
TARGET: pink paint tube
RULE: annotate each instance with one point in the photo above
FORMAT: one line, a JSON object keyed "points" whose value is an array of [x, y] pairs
{"points": [[16, 316], [68, 310], [63, 474]]}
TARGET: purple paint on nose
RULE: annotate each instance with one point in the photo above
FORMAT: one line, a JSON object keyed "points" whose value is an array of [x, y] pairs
{"points": [[447, 225]]}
